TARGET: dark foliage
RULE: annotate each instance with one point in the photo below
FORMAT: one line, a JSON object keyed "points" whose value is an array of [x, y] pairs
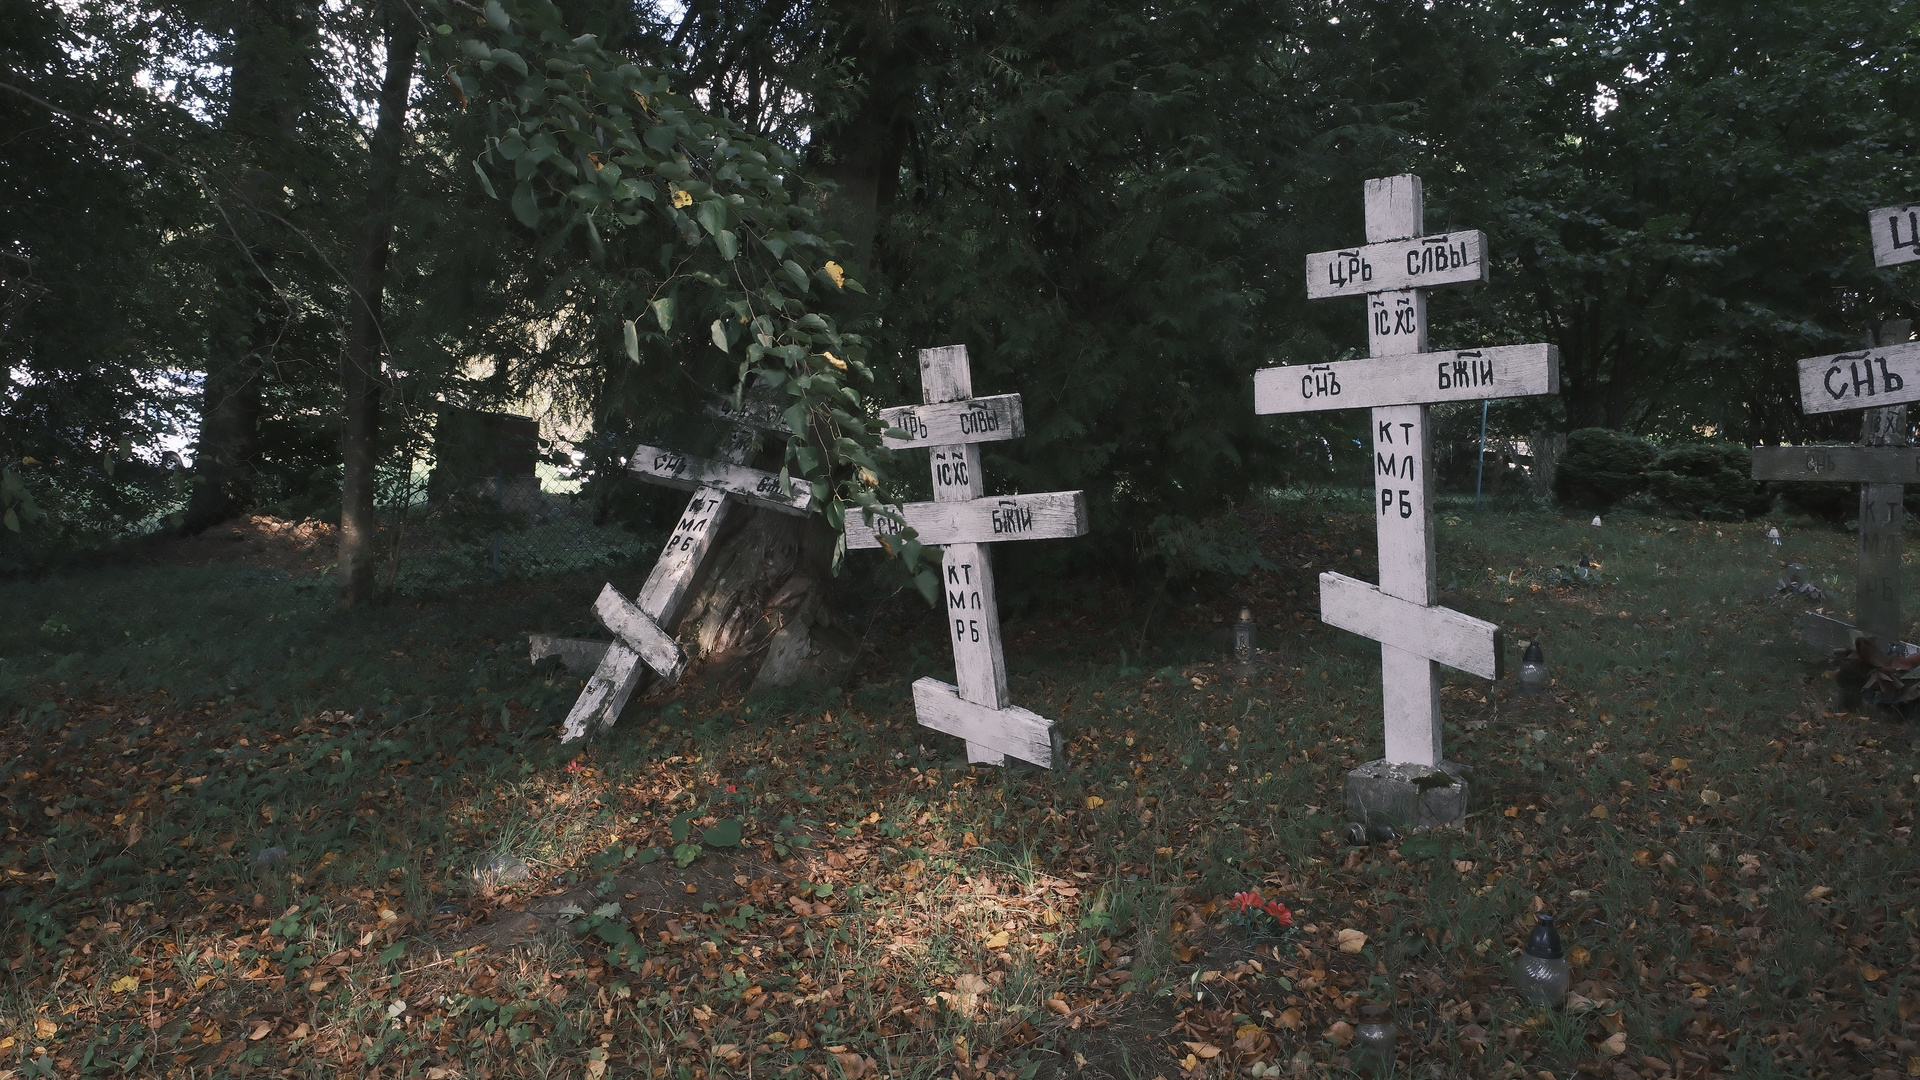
{"points": [[1601, 467]]}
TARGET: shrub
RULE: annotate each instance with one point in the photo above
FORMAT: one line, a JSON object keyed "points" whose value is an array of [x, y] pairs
{"points": [[1600, 467], [1708, 480]]}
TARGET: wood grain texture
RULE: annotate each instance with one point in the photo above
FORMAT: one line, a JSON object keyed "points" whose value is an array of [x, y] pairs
{"points": [[973, 624], [1862, 379], [1427, 262], [1436, 633], [1839, 464], [1012, 731], [1403, 501], [1501, 371], [1893, 232], [577, 654], [1410, 700], [671, 578], [974, 420], [1876, 608], [1049, 515], [757, 410], [945, 374], [1395, 207], [638, 631], [605, 694], [957, 476], [1824, 633], [674, 469]]}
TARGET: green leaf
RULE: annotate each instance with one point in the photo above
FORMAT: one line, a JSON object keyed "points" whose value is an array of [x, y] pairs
{"points": [[727, 242], [663, 313], [713, 216], [680, 826], [393, 952], [723, 833], [685, 854], [511, 59], [497, 16], [12, 519], [632, 334], [719, 329], [525, 206], [608, 910], [485, 182], [652, 854], [661, 137], [797, 273]]}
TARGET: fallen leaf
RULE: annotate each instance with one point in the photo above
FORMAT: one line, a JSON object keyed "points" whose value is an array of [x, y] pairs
{"points": [[1710, 797], [1871, 974], [1599, 812], [1203, 1050], [997, 941], [1819, 893], [1578, 956], [45, 1028], [1094, 802], [1058, 1005], [1341, 1033], [1614, 1045], [126, 984], [1290, 1019], [1351, 941], [260, 1031]]}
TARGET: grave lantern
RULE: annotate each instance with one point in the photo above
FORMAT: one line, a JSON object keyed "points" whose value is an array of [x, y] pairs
{"points": [[1542, 975], [1375, 1037], [1533, 670], [1243, 637], [1773, 538]]}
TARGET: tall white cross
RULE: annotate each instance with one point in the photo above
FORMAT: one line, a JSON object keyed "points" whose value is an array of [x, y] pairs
{"points": [[952, 424], [1393, 271], [1880, 380], [643, 627]]}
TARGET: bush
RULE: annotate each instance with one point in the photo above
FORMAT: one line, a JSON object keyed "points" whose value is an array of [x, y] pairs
{"points": [[1708, 480], [1600, 467]]}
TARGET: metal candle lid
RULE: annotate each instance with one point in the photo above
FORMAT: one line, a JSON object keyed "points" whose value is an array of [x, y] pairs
{"points": [[1533, 654], [1544, 944]]}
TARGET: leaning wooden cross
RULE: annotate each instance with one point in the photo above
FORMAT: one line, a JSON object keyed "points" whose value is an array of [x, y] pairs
{"points": [[1880, 380], [1412, 784], [952, 424], [643, 627]]}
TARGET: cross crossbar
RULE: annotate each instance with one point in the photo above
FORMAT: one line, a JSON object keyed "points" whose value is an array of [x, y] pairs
{"points": [[1896, 234], [1862, 379], [1439, 634], [1838, 464], [974, 420], [1052, 515], [1422, 262], [1499, 371], [671, 468]]}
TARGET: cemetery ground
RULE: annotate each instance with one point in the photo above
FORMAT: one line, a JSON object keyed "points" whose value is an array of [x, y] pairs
{"points": [[241, 835]]}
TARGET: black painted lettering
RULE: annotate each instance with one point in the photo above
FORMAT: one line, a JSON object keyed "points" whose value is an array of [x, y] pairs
{"points": [[1891, 381], [1858, 382], [1385, 434]]}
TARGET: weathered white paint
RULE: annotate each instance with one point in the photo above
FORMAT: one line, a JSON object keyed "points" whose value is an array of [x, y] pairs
{"points": [[1861, 379], [671, 468], [973, 624], [756, 411], [1425, 262], [975, 420], [1894, 235], [1438, 634], [1010, 732], [945, 374], [605, 694], [1395, 207], [639, 632], [1051, 515], [1840, 464], [680, 557], [1499, 371]]}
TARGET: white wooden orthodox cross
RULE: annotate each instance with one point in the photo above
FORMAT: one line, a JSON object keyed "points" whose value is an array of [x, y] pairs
{"points": [[643, 627], [1880, 380], [1393, 271], [961, 521]]}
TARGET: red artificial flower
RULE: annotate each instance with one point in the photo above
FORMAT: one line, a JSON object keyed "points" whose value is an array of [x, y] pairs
{"points": [[1279, 912], [1243, 901], [575, 767], [731, 789]]}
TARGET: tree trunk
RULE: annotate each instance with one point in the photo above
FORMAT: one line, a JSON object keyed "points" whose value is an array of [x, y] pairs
{"points": [[763, 607], [271, 40], [861, 152], [1543, 449], [361, 360]]}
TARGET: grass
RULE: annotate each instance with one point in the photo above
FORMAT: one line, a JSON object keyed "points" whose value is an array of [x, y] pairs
{"points": [[242, 829]]}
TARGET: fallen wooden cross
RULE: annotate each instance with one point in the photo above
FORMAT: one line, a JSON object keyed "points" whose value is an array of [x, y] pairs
{"points": [[643, 626], [961, 520], [1412, 784]]}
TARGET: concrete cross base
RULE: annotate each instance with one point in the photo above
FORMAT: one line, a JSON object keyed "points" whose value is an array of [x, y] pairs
{"points": [[1407, 796]]}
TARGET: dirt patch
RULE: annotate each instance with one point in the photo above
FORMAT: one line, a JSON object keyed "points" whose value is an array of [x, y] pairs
{"points": [[659, 889], [297, 547]]}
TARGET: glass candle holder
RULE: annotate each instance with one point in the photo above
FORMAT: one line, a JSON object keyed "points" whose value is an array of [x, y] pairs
{"points": [[1533, 670], [1542, 975], [1243, 637], [1374, 1040]]}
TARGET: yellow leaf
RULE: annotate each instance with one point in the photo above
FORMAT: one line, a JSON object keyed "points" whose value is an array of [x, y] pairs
{"points": [[596, 1067], [1871, 974], [6, 1043], [1245, 1030], [29, 461], [1351, 941], [1204, 1050], [201, 981], [1577, 956], [1614, 1045], [838, 274], [1598, 812], [838, 364], [45, 1028], [1094, 802], [998, 941], [1190, 1063], [681, 199], [1680, 763]]}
